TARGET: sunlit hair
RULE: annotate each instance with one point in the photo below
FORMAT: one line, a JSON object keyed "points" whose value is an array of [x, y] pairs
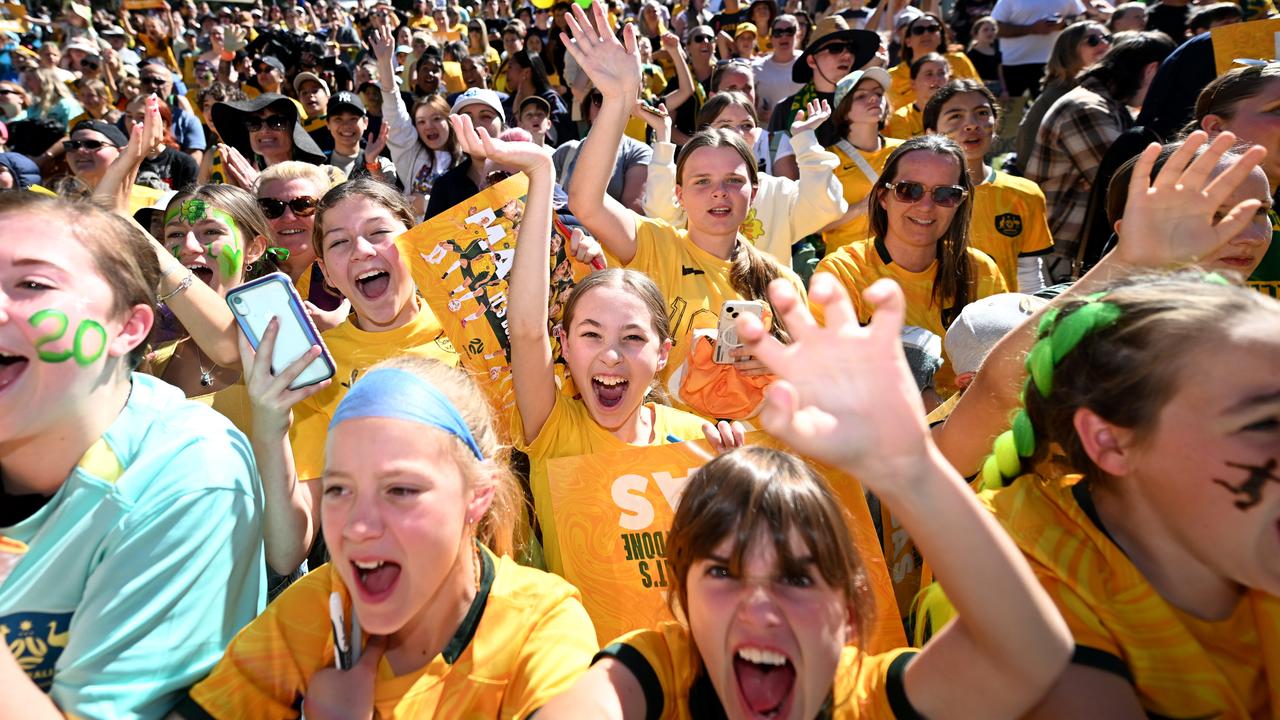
{"points": [[917, 65], [755, 494], [943, 41], [717, 103], [439, 104], [1065, 62], [294, 170], [242, 206], [502, 528], [52, 90], [1120, 71], [978, 24], [1222, 96], [933, 108]]}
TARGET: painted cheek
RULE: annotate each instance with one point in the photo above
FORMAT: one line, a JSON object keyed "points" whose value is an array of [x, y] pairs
{"points": [[229, 256], [58, 338]]}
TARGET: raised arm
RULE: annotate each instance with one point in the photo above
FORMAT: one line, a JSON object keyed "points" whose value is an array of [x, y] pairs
{"points": [[684, 76], [532, 366], [1167, 223], [818, 199], [202, 311], [996, 659], [614, 68]]}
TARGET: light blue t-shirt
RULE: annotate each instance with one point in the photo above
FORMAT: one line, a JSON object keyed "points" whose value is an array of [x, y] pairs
{"points": [[143, 565]]}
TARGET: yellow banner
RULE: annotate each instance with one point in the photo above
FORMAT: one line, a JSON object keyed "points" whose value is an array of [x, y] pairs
{"points": [[460, 260], [613, 512], [1255, 40]]}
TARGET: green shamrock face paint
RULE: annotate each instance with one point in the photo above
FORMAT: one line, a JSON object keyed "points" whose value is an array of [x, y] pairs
{"points": [[229, 253]]}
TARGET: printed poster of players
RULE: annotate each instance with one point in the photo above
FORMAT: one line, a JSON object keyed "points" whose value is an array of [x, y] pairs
{"points": [[460, 261], [613, 511]]}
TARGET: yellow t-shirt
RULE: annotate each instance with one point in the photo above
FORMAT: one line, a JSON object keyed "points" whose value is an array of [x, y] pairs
{"points": [[1179, 666], [525, 640], [694, 283], [857, 186], [859, 264], [570, 431], [900, 91], [905, 123], [232, 402], [1009, 222], [676, 688], [355, 351]]}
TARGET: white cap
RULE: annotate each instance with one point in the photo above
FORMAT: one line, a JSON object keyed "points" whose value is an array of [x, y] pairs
{"points": [[982, 323]]}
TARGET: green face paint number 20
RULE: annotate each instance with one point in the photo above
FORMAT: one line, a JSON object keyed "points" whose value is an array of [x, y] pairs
{"points": [[77, 351]]}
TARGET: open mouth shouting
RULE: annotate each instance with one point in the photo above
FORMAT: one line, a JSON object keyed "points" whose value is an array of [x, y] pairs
{"points": [[373, 284], [12, 366], [720, 212], [766, 681], [375, 580], [609, 390]]}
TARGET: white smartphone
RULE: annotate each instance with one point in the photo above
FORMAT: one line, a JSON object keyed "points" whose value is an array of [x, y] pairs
{"points": [[727, 328], [273, 296]]}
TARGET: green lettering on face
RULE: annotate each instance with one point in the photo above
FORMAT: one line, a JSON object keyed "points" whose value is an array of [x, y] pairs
{"points": [[77, 351]]}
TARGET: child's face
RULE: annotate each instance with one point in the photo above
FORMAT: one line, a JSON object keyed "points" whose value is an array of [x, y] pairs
{"points": [[613, 353], [770, 639], [394, 515], [969, 119]]}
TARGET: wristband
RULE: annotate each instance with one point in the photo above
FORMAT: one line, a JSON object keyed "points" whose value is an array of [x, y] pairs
{"points": [[186, 283], [372, 166]]}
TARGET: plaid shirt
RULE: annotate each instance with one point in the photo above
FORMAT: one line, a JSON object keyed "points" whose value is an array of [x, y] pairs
{"points": [[1073, 137]]}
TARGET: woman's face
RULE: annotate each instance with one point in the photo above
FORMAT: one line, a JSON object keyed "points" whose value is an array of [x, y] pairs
{"points": [[919, 224], [91, 96], [1210, 469], [91, 160], [1095, 43], [394, 515], [290, 230], [58, 326], [1245, 251], [737, 119], [271, 133], [924, 36], [362, 262], [933, 75], [429, 74], [207, 241], [715, 190], [613, 353], [433, 127], [868, 105], [534, 43], [770, 640], [1257, 120], [969, 119]]}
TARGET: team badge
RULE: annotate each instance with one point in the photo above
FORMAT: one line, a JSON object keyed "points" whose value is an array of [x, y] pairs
{"points": [[1009, 224]]}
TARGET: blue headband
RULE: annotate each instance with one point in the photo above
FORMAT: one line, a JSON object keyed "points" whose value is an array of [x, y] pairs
{"points": [[401, 395]]}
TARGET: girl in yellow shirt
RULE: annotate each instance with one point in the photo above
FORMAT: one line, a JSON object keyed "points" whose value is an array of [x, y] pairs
{"points": [[928, 73], [920, 221], [1146, 456], [356, 224], [925, 35], [614, 339], [419, 513], [696, 269], [1009, 220], [769, 584]]}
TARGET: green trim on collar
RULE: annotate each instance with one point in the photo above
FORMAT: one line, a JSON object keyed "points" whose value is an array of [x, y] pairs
{"points": [[467, 630]]}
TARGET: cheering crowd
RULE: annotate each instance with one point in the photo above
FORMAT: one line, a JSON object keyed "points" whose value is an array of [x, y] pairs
{"points": [[999, 278]]}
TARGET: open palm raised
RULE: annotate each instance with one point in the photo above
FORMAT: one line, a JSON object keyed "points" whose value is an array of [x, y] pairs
{"points": [[613, 66]]}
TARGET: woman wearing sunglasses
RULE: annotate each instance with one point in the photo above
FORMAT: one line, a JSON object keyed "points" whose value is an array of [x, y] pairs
{"points": [[926, 34], [288, 195], [1079, 46], [920, 214], [259, 133]]}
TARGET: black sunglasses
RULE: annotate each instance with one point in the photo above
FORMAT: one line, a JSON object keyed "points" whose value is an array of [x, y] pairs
{"points": [[700, 39], [782, 31], [922, 29], [301, 206], [1096, 40], [153, 81], [839, 48], [909, 191], [272, 122], [90, 145]]}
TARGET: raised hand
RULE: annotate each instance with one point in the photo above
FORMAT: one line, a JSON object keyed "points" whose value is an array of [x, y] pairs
{"points": [[724, 436], [1170, 221], [233, 38], [657, 118], [814, 114], [526, 157], [117, 182], [586, 249], [271, 399], [240, 171], [671, 44], [374, 148], [844, 394], [614, 67], [381, 40]]}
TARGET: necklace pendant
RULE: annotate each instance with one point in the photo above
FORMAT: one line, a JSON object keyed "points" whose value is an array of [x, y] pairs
{"points": [[206, 378]]}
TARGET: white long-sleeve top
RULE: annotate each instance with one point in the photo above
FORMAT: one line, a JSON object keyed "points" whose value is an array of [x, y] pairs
{"points": [[784, 210], [411, 157]]}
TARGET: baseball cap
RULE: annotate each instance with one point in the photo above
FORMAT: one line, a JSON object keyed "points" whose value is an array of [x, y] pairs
{"points": [[744, 28], [403, 49], [479, 96], [906, 15], [534, 100], [112, 133], [305, 77], [345, 101], [272, 61], [982, 323], [84, 45], [850, 81]]}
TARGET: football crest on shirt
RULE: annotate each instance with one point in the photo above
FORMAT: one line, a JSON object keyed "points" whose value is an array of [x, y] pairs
{"points": [[1009, 224], [36, 640]]}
